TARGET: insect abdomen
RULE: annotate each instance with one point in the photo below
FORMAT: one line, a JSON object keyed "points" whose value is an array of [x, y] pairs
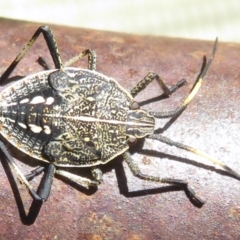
{"points": [[21, 115]]}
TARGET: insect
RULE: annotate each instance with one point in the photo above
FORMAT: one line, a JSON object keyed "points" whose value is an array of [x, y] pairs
{"points": [[72, 117]]}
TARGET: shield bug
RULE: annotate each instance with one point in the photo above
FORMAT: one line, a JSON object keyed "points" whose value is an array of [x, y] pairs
{"points": [[72, 117]]}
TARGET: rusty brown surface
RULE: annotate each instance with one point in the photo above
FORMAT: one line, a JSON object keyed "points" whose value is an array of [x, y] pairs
{"points": [[210, 123]]}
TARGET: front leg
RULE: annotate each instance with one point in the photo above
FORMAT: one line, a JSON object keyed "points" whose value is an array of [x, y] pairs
{"points": [[149, 78], [193, 92]]}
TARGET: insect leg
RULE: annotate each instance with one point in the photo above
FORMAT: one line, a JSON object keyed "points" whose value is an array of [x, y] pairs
{"points": [[46, 182], [92, 59], [82, 181], [37, 171], [193, 150], [149, 78], [137, 172], [42, 61], [44, 188], [193, 92], [52, 46]]}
